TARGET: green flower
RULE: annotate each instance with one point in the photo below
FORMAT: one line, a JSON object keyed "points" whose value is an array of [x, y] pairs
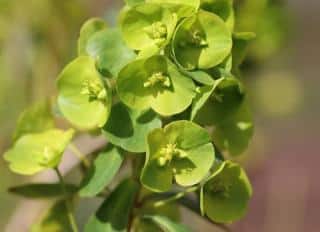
{"points": [[83, 98], [155, 82], [147, 25], [36, 152], [225, 196], [201, 41], [181, 151]]}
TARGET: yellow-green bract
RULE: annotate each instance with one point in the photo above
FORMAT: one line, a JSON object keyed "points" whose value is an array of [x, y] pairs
{"points": [[181, 151]]}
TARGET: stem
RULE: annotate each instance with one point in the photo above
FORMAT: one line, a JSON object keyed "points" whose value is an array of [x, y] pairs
{"points": [[175, 197], [80, 155], [72, 220]]}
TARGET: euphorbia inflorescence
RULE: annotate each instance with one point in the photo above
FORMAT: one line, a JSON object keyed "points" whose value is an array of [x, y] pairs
{"points": [[162, 87]]}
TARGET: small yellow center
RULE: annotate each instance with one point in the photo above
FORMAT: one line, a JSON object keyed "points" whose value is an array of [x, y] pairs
{"points": [[169, 152], [94, 90], [157, 79]]}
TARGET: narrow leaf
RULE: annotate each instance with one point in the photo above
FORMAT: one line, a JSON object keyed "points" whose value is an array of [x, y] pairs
{"points": [[113, 215], [42, 190], [105, 167]]}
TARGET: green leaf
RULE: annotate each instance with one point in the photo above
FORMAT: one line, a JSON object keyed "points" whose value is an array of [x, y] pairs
{"points": [[223, 8], [155, 83], [89, 28], [234, 134], [147, 24], [201, 77], [167, 225], [36, 152], [35, 119], [113, 215], [83, 98], [42, 190], [55, 220], [109, 50], [182, 150], [104, 168], [201, 41], [194, 3], [142, 224], [128, 128], [215, 104], [227, 193]]}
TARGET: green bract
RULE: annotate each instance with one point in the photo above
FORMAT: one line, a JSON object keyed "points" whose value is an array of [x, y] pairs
{"points": [[83, 98], [109, 50], [223, 8], [155, 83], [33, 153], [226, 194], [147, 25], [88, 29], [128, 128], [201, 41], [181, 151]]}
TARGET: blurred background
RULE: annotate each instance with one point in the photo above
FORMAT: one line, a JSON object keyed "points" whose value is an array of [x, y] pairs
{"points": [[38, 37]]}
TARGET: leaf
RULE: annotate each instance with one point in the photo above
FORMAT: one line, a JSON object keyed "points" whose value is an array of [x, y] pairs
{"points": [[83, 98], [201, 77], [113, 215], [104, 168], [55, 220], [35, 119], [234, 134], [194, 3], [182, 150], [216, 104], [110, 52], [128, 128], [142, 224], [223, 8], [227, 193], [89, 28], [147, 24], [201, 41], [36, 152], [42, 190], [171, 95], [167, 225]]}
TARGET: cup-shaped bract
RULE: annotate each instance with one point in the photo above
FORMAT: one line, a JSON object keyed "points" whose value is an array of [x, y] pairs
{"points": [[83, 98], [147, 25], [222, 8], [226, 194], [155, 83], [181, 151], [36, 152], [201, 41]]}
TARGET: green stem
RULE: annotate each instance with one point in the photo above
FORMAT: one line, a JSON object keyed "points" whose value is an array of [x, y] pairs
{"points": [[72, 220], [175, 197], [80, 155]]}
